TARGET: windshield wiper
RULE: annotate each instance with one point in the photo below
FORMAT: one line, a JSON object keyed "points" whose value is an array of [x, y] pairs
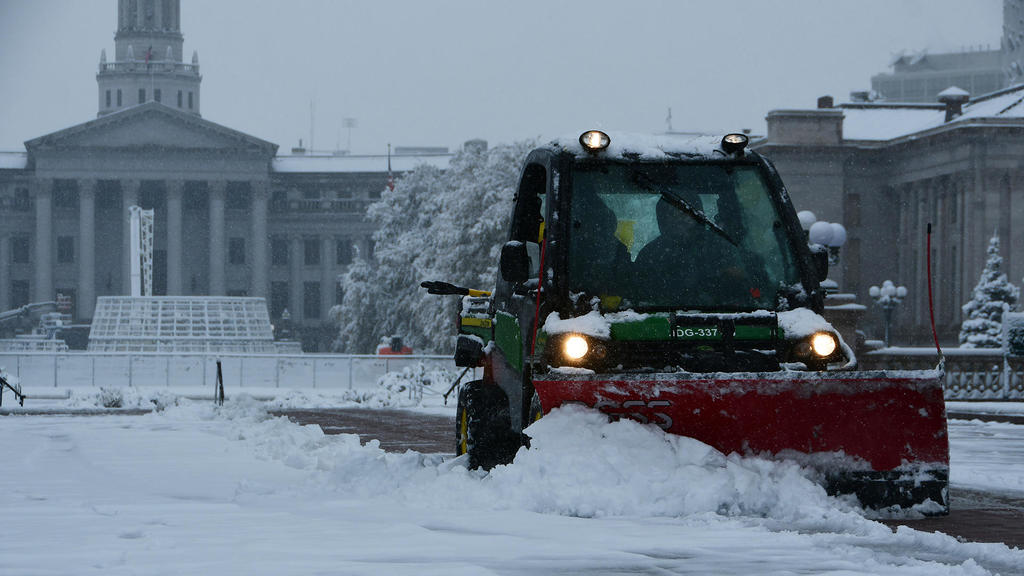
{"points": [[644, 181], [697, 215]]}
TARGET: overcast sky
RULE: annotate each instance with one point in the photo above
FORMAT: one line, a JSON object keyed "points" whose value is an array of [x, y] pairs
{"points": [[438, 73]]}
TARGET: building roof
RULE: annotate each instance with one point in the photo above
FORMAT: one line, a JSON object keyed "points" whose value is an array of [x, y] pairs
{"points": [[881, 121], [13, 160], [314, 164], [151, 124]]}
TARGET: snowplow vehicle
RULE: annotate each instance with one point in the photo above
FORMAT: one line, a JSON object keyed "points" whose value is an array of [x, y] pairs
{"points": [[668, 280]]}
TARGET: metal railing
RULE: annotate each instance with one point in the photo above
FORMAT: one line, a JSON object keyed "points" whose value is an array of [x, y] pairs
{"points": [[318, 371], [971, 374], [321, 205], [151, 66]]}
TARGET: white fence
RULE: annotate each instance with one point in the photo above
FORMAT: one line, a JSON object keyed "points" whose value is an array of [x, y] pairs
{"points": [[971, 374], [322, 371]]}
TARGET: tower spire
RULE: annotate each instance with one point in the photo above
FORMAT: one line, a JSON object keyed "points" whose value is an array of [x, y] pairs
{"points": [[148, 63]]}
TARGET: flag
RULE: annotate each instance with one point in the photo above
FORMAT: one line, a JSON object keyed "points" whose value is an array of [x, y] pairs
{"points": [[391, 178], [149, 54]]}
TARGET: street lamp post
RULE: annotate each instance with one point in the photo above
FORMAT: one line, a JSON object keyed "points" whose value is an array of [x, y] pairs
{"points": [[888, 297], [832, 235]]}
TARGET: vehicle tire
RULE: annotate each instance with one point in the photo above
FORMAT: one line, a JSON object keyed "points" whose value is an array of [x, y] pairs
{"points": [[534, 413], [482, 426]]}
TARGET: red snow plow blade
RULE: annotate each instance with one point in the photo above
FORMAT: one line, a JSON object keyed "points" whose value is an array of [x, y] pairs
{"points": [[881, 436]]}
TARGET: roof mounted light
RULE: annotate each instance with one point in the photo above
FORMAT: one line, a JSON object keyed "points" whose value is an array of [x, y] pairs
{"points": [[733, 143], [594, 140]]}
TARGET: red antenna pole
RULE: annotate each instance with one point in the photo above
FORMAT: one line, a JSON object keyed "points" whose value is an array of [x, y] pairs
{"points": [[931, 303]]}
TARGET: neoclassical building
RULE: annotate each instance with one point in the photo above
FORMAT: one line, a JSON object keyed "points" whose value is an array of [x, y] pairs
{"points": [[232, 216], [886, 170]]}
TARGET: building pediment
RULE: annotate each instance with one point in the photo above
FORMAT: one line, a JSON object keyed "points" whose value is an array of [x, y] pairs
{"points": [[152, 126]]}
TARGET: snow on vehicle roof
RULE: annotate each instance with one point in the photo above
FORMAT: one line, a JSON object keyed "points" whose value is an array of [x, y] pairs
{"points": [[634, 146]]}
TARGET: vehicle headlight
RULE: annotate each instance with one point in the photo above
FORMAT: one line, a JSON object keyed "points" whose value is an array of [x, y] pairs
{"points": [[823, 344], [575, 347], [817, 350]]}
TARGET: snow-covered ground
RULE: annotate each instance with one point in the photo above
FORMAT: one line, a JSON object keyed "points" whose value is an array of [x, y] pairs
{"points": [[197, 489]]}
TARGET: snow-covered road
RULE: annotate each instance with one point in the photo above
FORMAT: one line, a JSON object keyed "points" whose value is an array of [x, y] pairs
{"points": [[198, 490]]}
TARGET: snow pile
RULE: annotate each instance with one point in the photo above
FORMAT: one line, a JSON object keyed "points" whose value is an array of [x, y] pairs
{"points": [[579, 464]]}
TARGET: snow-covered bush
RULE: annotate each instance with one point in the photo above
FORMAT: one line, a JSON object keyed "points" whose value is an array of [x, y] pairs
{"points": [[435, 225], [405, 387], [111, 398], [983, 313]]}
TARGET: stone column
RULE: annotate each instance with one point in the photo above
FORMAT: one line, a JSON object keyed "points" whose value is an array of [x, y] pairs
{"points": [[44, 241], [217, 259], [295, 288], [5, 272], [175, 271], [129, 198], [328, 275], [86, 248], [258, 224]]}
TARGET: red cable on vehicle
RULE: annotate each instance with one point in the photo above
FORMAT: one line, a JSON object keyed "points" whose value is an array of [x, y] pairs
{"points": [[931, 304]]}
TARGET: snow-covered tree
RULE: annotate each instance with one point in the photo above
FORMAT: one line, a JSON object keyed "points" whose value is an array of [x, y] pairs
{"points": [[994, 295], [435, 225]]}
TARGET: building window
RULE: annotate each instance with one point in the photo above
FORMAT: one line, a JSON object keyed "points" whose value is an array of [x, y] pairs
{"points": [[279, 251], [19, 293], [344, 252], [189, 100], [142, 95], [179, 98], [278, 298], [65, 194], [108, 98], [118, 97], [311, 300], [236, 250], [156, 94], [65, 249], [152, 195], [22, 199], [108, 195], [311, 250], [196, 195], [19, 249], [237, 195], [279, 201]]}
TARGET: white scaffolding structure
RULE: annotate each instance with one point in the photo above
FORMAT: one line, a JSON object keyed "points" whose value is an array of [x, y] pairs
{"points": [[181, 324], [141, 254]]}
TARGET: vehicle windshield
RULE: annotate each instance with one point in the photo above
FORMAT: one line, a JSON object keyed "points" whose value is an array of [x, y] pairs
{"points": [[677, 236]]}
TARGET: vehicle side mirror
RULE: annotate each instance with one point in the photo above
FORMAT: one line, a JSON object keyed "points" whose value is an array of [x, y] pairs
{"points": [[819, 255], [515, 262], [469, 351]]}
